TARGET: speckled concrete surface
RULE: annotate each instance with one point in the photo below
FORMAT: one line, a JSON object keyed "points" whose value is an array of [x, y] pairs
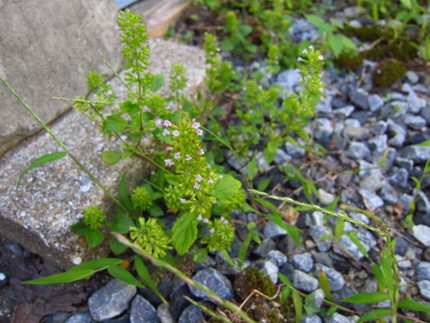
{"points": [[38, 215]]}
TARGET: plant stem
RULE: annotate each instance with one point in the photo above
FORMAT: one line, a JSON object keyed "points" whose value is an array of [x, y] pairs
{"points": [[60, 143]]}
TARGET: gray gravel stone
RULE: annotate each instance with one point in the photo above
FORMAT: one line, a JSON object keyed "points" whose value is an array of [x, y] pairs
{"points": [[346, 243], [398, 177], [142, 311], [272, 230], [325, 197], [397, 132], [421, 232], [415, 103], [405, 163], [323, 130], [417, 153], [80, 318], [311, 319], [412, 77], [378, 144], [388, 193], [319, 232], [294, 151], [375, 102], [277, 257], [372, 183], [357, 150], [422, 201], [281, 156], [303, 262], [359, 217], [370, 199], [111, 300], [359, 97], [415, 122], [264, 248], [335, 279], [423, 270], [304, 282], [288, 79], [164, 315], [424, 287], [338, 318], [191, 314], [269, 269], [344, 112], [359, 133], [215, 281], [399, 108]]}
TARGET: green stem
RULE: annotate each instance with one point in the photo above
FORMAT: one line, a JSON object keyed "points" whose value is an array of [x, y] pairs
{"points": [[183, 277], [60, 143]]}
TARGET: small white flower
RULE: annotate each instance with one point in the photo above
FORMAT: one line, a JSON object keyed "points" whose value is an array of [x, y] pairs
{"points": [[199, 178], [175, 133], [177, 155], [213, 201], [116, 27], [208, 166], [182, 201], [196, 186], [158, 122], [169, 162], [211, 230], [210, 181], [311, 46], [199, 132], [320, 57], [188, 157], [200, 218], [299, 59], [201, 152], [305, 51], [205, 220], [195, 125], [220, 176], [169, 148], [167, 123], [166, 132]]}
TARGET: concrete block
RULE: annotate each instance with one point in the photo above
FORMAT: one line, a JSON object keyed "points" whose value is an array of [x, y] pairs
{"points": [[46, 50], [51, 197]]}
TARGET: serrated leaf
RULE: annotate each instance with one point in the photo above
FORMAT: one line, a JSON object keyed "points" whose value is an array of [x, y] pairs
{"points": [[123, 275], [157, 83], [66, 277], [40, 161], [374, 314], [94, 238], [111, 157], [115, 123], [410, 304], [226, 188], [129, 107], [184, 233], [121, 223], [116, 246], [367, 298], [227, 44], [156, 211]]}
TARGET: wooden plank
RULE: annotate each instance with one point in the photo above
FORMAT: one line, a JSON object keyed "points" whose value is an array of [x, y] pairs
{"points": [[160, 14]]}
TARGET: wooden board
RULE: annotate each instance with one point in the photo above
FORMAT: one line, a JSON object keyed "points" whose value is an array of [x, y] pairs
{"points": [[160, 14]]}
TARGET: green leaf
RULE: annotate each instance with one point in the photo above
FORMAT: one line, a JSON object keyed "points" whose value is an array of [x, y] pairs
{"points": [[121, 223], [97, 264], [111, 157], [424, 143], [374, 314], [252, 167], [116, 246], [184, 233], [94, 237], [227, 44], [335, 43], [245, 30], [325, 286], [40, 161], [339, 228], [348, 43], [270, 151], [410, 304], [292, 231], [124, 196], [115, 123], [157, 83], [122, 274], [298, 305], [144, 274], [407, 3], [79, 228], [264, 183], [156, 211], [367, 298], [226, 188], [387, 268], [66, 277], [129, 107]]}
